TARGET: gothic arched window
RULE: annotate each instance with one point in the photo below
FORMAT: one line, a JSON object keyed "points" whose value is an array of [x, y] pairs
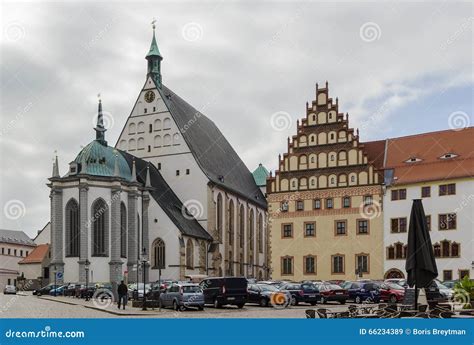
{"points": [[123, 230], [219, 217], [189, 254], [241, 226], [231, 222], [100, 228], [72, 228], [260, 233], [159, 259]]}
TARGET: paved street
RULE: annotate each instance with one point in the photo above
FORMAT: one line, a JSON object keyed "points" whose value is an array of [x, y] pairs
{"points": [[19, 306]]}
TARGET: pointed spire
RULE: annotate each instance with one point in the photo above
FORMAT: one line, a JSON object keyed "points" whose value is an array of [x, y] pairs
{"points": [[55, 165], [134, 172], [154, 59], [148, 180], [99, 128], [116, 166]]}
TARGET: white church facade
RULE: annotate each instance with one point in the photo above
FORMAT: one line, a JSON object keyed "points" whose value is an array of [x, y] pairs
{"points": [[173, 189]]}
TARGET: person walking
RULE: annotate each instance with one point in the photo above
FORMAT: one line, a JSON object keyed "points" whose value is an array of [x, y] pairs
{"points": [[122, 294]]}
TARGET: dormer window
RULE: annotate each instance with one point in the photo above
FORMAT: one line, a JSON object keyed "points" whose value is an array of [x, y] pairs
{"points": [[448, 156], [413, 160]]}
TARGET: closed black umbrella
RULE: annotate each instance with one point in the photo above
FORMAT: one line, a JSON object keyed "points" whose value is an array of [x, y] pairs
{"points": [[420, 264]]}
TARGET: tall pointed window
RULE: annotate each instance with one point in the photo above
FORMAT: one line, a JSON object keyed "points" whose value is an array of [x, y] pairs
{"points": [[219, 217], [123, 230], [72, 229], [231, 223], [241, 226], [189, 254], [159, 260], [100, 228]]}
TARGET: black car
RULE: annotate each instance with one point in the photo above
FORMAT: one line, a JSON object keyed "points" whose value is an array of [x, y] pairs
{"points": [[302, 293], [225, 290], [45, 289], [262, 294]]}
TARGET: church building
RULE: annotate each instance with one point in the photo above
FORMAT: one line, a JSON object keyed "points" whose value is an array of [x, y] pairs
{"points": [[172, 192]]}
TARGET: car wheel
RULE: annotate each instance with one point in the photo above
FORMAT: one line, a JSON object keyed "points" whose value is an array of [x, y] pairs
{"points": [[175, 306], [263, 302], [393, 299], [217, 304], [358, 299], [293, 301]]}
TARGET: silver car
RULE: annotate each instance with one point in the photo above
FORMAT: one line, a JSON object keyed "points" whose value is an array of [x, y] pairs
{"points": [[182, 296], [9, 289]]}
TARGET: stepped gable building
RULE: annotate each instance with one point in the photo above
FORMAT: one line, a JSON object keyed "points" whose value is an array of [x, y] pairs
{"points": [[325, 200], [173, 193], [438, 168]]}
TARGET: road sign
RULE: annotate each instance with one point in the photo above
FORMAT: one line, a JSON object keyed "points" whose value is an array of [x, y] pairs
{"points": [[59, 275]]}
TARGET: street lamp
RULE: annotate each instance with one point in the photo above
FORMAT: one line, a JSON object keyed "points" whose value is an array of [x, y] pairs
{"points": [[86, 267], [55, 283], [144, 262]]}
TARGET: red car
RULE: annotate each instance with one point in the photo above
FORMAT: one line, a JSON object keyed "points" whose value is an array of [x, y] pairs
{"points": [[333, 292], [391, 292]]}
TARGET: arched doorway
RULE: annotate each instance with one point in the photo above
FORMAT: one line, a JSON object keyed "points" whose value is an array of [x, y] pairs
{"points": [[394, 273]]}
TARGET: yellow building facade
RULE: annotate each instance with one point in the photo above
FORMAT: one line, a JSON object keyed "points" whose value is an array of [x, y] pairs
{"points": [[325, 201]]}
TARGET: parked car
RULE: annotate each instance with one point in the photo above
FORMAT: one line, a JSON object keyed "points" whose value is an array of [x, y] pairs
{"points": [[400, 281], [71, 289], [225, 290], [450, 283], [85, 291], [391, 292], [59, 291], [251, 281], [182, 296], [44, 290], [136, 291], [332, 292], [302, 293], [9, 289], [155, 290], [362, 291], [263, 294], [444, 291]]}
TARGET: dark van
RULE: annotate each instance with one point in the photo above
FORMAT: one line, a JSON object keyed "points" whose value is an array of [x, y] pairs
{"points": [[225, 290]]}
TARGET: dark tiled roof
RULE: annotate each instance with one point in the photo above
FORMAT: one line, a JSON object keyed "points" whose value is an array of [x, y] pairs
{"points": [[15, 237], [375, 152], [212, 151], [167, 199]]}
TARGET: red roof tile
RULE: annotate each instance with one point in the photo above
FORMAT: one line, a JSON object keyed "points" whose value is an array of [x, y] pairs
{"points": [[37, 255]]}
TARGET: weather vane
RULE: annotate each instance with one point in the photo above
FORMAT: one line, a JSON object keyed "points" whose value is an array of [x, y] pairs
{"points": [[153, 23]]}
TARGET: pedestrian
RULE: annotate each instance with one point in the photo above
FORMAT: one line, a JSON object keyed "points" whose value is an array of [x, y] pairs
{"points": [[122, 294]]}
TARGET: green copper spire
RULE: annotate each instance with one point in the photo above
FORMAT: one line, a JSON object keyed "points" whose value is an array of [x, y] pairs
{"points": [[99, 128], [154, 59]]}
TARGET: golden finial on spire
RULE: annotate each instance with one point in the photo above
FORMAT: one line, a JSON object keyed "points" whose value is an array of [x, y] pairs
{"points": [[153, 23]]}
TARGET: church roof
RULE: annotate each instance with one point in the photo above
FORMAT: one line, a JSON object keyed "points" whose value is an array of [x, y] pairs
{"points": [[100, 159], [167, 199], [260, 175], [212, 151], [15, 237]]}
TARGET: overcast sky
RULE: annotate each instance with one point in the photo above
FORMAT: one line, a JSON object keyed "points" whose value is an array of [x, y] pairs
{"points": [[397, 68]]}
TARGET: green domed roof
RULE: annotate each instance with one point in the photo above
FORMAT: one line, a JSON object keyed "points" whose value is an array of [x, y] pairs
{"points": [[99, 160]]}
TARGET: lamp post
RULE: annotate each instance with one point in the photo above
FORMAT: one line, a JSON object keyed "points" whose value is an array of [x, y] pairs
{"points": [[144, 262], [55, 283], [86, 267]]}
